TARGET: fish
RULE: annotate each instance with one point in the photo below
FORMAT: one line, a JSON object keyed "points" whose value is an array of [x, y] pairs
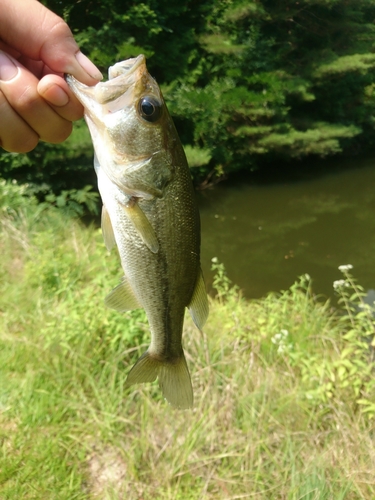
{"points": [[150, 213]]}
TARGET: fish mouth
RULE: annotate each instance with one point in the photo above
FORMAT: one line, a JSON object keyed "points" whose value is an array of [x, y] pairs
{"points": [[126, 68], [121, 76]]}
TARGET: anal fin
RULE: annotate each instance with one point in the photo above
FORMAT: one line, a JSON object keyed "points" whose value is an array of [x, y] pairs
{"points": [[122, 297], [198, 306]]}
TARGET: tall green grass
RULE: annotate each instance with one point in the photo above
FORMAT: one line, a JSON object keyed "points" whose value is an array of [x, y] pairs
{"points": [[283, 386]]}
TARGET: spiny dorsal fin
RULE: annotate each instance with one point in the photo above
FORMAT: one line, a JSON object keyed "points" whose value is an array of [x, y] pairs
{"points": [[198, 306], [143, 226], [122, 297], [107, 230]]}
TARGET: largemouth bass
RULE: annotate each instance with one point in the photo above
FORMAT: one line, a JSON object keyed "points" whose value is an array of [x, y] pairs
{"points": [[149, 212]]}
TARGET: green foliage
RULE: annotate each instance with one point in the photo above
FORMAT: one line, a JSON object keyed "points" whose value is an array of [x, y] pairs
{"points": [[347, 372], [197, 157], [247, 82], [49, 170], [285, 81], [340, 65], [14, 197], [222, 284], [321, 138], [52, 167], [75, 201], [336, 368]]}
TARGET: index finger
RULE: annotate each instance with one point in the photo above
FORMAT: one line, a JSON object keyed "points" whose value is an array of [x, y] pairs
{"points": [[40, 34]]}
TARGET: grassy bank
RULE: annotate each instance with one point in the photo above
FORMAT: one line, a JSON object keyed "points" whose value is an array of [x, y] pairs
{"points": [[283, 386]]}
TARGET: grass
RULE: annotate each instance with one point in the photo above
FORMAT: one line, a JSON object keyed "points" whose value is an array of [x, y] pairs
{"points": [[283, 386]]}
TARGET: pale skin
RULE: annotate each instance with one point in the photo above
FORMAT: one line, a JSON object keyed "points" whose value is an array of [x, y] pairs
{"points": [[36, 49]]}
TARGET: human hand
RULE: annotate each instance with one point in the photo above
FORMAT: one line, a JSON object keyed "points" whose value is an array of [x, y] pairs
{"points": [[36, 49]]}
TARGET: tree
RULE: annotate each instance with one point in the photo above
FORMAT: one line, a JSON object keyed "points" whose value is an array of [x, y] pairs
{"points": [[280, 80], [247, 82]]}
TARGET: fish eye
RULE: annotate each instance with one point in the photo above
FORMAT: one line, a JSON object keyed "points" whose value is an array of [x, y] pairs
{"points": [[150, 109]]}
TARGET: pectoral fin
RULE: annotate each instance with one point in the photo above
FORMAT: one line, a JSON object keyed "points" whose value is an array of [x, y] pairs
{"points": [[107, 230], [143, 226], [198, 306], [122, 297]]}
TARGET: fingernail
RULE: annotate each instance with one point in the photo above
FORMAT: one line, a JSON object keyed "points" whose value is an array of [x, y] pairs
{"points": [[88, 66], [54, 94], [8, 70]]}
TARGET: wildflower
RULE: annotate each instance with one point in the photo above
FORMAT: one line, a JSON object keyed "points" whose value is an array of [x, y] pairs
{"points": [[276, 338], [215, 260], [345, 268], [339, 284], [279, 339]]}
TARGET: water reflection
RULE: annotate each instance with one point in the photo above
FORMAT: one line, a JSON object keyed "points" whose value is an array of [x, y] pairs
{"points": [[268, 234]]}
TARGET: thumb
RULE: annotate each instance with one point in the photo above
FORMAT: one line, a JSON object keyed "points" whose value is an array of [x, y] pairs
{"points": [[41, 35]]}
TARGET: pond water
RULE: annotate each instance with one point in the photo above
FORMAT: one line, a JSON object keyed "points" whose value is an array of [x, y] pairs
{"points": [[267, 233]]}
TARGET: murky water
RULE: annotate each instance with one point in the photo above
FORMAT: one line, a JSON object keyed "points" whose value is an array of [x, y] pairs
{"points": [[267, 234]]}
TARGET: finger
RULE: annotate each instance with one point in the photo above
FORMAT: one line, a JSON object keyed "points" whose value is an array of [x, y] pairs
{"points": [[15, 135], [19, 87], [38, 68], [42, 35], [57, 93], [10, 50]]}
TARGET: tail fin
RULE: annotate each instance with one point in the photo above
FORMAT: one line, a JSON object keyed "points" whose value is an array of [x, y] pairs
{"points": [[174, 378]]}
